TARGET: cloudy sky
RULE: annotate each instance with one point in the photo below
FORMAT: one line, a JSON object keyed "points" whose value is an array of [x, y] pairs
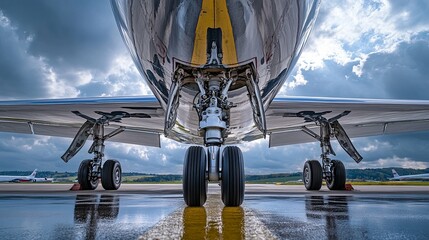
{"points": [[369, 49]]}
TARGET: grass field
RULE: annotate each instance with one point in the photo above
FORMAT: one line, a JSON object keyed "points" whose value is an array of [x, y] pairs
{"points": [[393, 183]]}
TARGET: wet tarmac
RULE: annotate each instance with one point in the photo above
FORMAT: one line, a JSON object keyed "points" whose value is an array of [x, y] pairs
{"points": [[158, 212]]}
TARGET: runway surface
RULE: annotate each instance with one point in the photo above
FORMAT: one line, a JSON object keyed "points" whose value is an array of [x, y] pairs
{"points": [[50, 211]]}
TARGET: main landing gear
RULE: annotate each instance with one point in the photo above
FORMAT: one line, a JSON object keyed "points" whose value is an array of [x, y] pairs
{"points": [[196, 176], [333, 171], [91, 170]]}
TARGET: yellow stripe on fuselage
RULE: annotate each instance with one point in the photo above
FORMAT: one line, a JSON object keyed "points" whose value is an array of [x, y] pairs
{"points": [[214, 14]]}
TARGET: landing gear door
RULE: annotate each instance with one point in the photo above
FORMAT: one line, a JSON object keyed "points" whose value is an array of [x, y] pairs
{"points": [[345, 141], [78, 141]]}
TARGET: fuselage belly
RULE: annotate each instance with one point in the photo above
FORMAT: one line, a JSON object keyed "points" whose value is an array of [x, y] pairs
{"points": [[270, 34]]}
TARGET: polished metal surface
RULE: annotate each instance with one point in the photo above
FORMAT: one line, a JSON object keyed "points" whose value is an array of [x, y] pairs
{"points": [[269, 33], [213, 159], [49, 211]]}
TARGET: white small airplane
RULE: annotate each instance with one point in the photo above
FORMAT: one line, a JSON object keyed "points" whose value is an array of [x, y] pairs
{"points": [[396, 176], [29, 178]]}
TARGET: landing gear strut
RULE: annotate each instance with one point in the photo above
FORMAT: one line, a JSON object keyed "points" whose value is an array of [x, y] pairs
{"points": [[91, 170], [211, 84], [333, 171]]}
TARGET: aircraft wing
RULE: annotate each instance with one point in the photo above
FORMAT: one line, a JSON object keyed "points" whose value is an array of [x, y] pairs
{"points": [[55, 117], [143, 124], [364, 117]]}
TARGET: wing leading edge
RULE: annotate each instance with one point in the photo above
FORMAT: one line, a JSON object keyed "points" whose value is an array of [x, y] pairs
{"points": [[58, 117], [365, 117]]}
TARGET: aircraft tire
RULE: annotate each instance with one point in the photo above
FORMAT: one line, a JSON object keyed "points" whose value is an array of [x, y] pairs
{"points": [[83, 176], [194, 177], [312, 175], [338, 180], [232, 183], [111, 175]]}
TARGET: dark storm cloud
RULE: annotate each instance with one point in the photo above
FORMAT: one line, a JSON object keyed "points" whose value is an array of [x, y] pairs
{"points": [[402, 74], [20, 75], [55, 38], [69, 34]]}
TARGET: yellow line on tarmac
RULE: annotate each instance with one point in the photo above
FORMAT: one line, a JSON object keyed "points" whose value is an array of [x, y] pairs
{"points": [[214, 14], [213, 221]]}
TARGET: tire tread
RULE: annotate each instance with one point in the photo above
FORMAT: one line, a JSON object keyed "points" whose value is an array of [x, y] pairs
{"points": [[232, 183]]}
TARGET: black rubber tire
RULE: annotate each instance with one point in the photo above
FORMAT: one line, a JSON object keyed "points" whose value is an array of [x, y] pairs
{"points": [[194, 177], [232, 183], [338, 180], [312, 175], [83, 176], [111, 175]]}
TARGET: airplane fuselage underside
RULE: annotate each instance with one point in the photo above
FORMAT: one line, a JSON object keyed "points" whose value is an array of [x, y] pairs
{"points": [[162, 36]]}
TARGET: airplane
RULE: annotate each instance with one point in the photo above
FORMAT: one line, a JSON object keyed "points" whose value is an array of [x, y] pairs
{"points": [[396, 176], [28, 178], [215, 70]]}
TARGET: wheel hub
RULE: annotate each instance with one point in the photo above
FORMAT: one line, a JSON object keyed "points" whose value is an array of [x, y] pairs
{"points": [[117, 176], [306, 176]]}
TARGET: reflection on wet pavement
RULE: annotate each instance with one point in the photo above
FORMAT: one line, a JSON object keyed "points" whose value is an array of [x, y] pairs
{"points": [[268, 216], [213, 221], [90, 210], [344, 217], [225, 224], [334, 210], [88, 216]]}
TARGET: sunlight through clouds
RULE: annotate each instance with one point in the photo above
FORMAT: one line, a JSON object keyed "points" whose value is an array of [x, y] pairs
{"points": [[348, 32]]}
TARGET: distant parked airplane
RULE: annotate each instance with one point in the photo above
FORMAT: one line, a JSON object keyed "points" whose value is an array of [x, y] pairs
{"points": [[396, 176], [28, 178]]}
